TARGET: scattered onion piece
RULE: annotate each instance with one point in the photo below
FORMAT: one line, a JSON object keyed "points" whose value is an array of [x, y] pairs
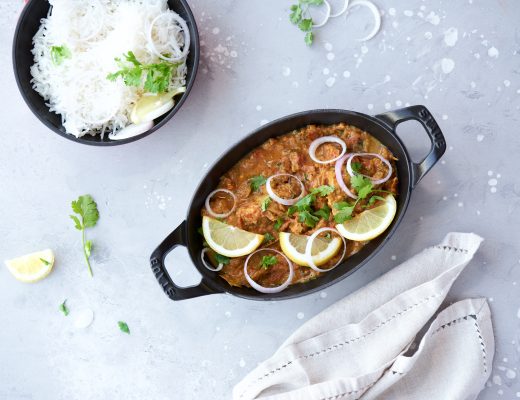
{"points": [[326, 139], [374, 181], [264, 289], [308, 249], [131, 131], [278, 199], [208, 266], [213, 213], [186, 33], [375, 13], [339, 176], [342, 11], [325, 18]]}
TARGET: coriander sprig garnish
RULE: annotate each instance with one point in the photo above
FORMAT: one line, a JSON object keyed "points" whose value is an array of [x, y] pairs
{"points": [[59, 54], [300, 16], [157, 76], [306, 214], [86, 208], [268, 261]]}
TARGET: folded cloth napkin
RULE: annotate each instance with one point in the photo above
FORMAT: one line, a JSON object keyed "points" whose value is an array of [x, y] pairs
{"points": [[380, 343]]}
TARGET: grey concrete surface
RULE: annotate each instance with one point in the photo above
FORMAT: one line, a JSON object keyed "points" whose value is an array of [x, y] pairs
{"points": [[255, 68]]}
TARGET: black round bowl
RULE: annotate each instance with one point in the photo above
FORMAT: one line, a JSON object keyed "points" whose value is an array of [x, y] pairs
{"points": [[28, 25], [382, 127]]}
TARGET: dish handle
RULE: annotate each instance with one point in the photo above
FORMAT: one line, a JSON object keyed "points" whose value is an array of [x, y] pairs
{"points": [[174, 292], [422, 115]]}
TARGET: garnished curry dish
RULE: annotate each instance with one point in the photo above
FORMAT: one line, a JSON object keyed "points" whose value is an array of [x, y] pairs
{"points": [[297, 206]]}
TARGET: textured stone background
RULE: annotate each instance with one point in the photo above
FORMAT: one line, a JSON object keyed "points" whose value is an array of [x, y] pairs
{"points": [[255, 68]]}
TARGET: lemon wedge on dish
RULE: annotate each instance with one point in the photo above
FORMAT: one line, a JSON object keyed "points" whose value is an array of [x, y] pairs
{"points": [[228, 240], [31, 267], [151, 106], [370, 223], [323, 249]]}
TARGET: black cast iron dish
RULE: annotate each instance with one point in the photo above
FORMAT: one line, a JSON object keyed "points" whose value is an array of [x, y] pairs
{"points": [[28, 25], [382, 127]]}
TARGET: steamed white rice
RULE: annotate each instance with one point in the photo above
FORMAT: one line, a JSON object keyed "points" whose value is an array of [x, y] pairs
{"points": [[96, 32]]}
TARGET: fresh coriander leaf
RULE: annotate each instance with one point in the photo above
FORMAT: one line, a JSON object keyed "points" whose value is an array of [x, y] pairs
{"points": [[63, 308], [47, 263], [222, 259], [323, 190], [268, 261], [312, 2], [362, 185], [307, 218], [123, 327], [268, 237], [296, 14], [88, 247], [375, 198], [265, 203], [309, 38], [305, 25], [356, 166], [344, 213], [256, 181], [59, 54], [278, 223], [86, 208], [328, 235], [323, 213]]}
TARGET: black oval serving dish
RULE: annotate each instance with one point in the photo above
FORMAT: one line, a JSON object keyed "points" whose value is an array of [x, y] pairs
{"points": [[28, 25], [382, 127]]}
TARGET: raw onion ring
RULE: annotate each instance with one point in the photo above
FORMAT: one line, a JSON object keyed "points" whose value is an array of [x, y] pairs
{"points": [[210, 267], [326, 139], [184, 28], [375, 13], [327, 15], [342, 11], [213, 213], [339, 176], [278, 199], [264, 289], [374, 181], [308, 249]]}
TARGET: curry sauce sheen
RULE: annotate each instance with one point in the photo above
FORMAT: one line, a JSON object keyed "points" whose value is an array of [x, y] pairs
{"points": [[289, 154]]}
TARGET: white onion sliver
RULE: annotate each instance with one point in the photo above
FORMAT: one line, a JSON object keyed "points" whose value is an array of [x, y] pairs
{"points": [[374, 181], [210, 267], [342, 11], [184, 27], [308, 249], [131, 131], [326, 139], [213, 213], [278, 199], [264, 289], [326, 17], [375, 13], [339, 176]]}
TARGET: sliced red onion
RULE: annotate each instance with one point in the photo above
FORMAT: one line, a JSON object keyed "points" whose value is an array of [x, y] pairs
{"points": [[208, 266], [326, 139], [342, 11], [374, 181], [339, 176], [375, 13], [264, 289], [213, 213], [278, 199], [325, 17], [308, 249]]}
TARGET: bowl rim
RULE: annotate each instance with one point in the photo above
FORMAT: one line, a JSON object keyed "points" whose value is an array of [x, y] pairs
{"points": [[189, 85]]}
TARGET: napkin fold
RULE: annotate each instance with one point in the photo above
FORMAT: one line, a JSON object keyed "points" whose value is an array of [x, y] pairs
{"points": [[381, 342]]}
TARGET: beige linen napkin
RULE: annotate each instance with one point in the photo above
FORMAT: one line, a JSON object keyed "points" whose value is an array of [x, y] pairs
{"points": [[363, 346]]}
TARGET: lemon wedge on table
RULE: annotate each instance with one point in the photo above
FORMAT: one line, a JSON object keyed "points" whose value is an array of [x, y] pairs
{"points": [[370, 223], [323, 249], [228, 240], [31, 267], [152, 106]]}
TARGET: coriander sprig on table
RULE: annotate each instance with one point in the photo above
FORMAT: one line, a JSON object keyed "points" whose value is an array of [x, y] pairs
{"points": [[88, 215], [300, 16]]}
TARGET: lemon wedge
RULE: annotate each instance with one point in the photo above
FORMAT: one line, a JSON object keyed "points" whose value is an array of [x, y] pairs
{"points": [[228, 240], [152, 106], [31, 267], [323, 249], [370, 223]]}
